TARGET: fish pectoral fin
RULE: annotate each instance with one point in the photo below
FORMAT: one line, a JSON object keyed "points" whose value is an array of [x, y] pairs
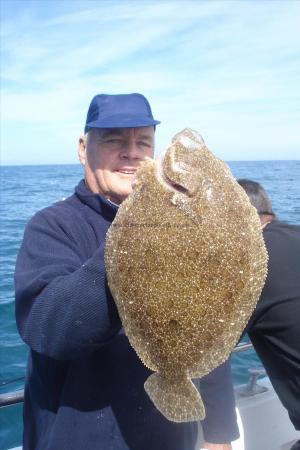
{"points": [[178, 401]]}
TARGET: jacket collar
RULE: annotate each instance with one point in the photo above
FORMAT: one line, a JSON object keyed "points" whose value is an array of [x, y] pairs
{"points": [[97, 202]]}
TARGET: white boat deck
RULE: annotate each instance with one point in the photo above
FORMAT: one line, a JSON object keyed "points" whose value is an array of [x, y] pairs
{"points": [[263, 422]]}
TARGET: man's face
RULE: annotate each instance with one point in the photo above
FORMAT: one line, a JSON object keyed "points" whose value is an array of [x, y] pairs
{"points": [[111, 158]]}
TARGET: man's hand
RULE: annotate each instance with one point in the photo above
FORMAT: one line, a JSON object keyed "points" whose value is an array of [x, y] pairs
{"points": [[208, 446]]}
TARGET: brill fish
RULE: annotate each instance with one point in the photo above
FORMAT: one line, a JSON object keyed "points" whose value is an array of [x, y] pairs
{"points": [[186, 263]]}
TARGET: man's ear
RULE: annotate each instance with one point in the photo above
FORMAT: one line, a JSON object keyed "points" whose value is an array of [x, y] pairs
{"points": [[82, 150]]}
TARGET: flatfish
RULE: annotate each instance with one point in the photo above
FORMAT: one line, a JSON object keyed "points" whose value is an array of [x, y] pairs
{"points": [[186, 263]]}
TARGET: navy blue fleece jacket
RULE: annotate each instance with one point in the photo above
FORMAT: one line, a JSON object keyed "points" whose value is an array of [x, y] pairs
{"points": [[84, 387]]}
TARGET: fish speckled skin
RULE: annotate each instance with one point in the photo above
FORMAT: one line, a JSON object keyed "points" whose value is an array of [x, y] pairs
{"points": [[186, 263]]}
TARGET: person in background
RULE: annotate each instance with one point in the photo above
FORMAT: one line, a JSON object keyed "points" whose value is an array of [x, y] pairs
{"points": [[84, 384], [274, 328]]}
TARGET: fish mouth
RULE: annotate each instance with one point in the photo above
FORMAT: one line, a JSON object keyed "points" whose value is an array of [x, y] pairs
{"points": [[174, 186], [180, 169], [166, 181]]}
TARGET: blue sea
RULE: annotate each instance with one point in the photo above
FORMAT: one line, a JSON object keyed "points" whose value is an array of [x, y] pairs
{"points": [[26, 189]]}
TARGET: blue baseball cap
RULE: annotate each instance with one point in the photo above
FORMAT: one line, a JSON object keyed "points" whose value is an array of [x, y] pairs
{"points": [[119, 111]]}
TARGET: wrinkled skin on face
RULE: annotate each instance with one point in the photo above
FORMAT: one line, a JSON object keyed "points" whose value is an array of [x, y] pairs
{"points": [[111, 156], [186, 263]]}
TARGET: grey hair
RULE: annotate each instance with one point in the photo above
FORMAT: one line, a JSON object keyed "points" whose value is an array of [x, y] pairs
{"points": [[257, 196]]}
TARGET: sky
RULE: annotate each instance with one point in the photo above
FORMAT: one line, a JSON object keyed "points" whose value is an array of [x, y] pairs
{"points": [[228, 69]]}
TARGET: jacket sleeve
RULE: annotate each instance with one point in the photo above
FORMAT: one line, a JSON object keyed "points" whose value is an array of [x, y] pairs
{"points": [[63, 305], [216, 388]]}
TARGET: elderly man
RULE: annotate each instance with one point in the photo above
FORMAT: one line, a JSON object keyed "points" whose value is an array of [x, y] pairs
{"points": [[84, 387], [274, 328]]}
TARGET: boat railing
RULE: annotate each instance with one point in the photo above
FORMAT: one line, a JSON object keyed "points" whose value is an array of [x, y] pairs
{"points": [[11, 398], [242, 347]]}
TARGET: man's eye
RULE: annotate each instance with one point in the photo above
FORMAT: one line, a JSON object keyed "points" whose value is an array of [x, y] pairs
{"points": [[145, 144], [113, 142]]}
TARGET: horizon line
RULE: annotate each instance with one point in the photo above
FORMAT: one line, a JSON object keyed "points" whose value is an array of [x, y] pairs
{"points": [[78, 164]]}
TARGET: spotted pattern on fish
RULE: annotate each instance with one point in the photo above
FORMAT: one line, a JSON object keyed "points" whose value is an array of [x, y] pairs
{"points": [[186, 263]]}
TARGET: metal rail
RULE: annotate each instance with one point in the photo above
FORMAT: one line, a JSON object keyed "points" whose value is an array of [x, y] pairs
{"points": [[242, 347], [11, 398]]}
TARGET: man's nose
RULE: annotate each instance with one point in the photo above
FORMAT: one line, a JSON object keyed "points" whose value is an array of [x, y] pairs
{"points": [[131, 150]]}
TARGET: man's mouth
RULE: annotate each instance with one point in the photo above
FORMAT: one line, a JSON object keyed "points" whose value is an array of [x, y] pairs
{"points": [[127, 171]]}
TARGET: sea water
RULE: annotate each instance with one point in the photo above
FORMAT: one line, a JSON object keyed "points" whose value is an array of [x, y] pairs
{"points": [[26, 189]]}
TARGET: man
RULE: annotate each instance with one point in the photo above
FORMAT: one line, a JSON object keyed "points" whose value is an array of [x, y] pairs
{"points": [[274, 328], [84, 387]]}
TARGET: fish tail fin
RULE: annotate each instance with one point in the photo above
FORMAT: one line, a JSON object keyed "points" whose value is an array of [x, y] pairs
{"points": [[178, 401]]}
